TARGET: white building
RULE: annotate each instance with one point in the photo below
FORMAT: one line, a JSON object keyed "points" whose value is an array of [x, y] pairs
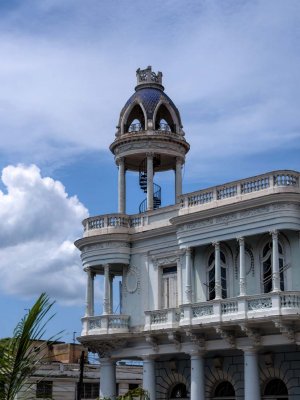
{"points": [[210, 285]]}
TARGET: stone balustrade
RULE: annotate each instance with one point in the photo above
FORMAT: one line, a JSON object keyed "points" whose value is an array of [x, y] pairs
{"points": [[239, 309], [105, 324], [241, 189]]}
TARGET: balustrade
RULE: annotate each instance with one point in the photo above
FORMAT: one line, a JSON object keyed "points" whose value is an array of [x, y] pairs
{"points": [[241, 188], [104, 324]]}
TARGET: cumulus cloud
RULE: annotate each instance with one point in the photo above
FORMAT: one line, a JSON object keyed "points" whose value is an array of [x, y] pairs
{"points": [[39, 224]]}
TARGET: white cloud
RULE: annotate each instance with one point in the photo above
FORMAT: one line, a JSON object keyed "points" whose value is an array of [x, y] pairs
{"points": [[39, 225]]}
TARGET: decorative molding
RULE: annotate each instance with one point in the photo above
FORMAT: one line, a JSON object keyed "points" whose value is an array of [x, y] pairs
{"points": [[105, 245], [196, 339], [252, 334], [104, 349], [152, 341], [175, 338], [132, 281], [286, 329]]}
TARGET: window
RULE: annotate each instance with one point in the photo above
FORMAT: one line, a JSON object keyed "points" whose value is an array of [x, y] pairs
{"points": [[90, 390], [276, 389], [179, 392], [211, 276], [267, 267], [224, 390], [169, 287], [44, 390]]}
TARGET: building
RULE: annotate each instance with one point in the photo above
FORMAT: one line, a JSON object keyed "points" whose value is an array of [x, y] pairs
{"points": [[210, 285], [58, 374]]}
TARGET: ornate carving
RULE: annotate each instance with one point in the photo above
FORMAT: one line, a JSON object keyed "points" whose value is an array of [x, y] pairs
{"points": [[227, 335], [159, 260], [175, 338], [106, 245], [252, 334], [286, 330], [153, 342], [196, 339], [103, 348], [132, 281]]}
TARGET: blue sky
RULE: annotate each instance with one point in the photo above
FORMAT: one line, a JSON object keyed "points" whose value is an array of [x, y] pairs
{"points": [[68, 67]]}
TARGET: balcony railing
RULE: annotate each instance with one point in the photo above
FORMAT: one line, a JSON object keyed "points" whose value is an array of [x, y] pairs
{"points": [[105, 324], [272, 180], [113, 221], [239, 309]]}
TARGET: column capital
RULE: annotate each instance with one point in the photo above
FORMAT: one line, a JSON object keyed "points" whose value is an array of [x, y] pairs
{"points": [[274, 233], [150, 155], [241, 240], [120, 160], [188, 250], [216, 245], [179, 160]]}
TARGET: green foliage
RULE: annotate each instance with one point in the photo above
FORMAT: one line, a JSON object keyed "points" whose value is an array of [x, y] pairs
{"points": [[134, 394], [19, 356]]}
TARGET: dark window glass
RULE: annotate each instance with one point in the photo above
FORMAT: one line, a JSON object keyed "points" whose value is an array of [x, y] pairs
{"points": [[211, 284], [44, 390], [179, 391], [224, 389], [133, 386], [223, 283], [276, 388], [170, 270]]}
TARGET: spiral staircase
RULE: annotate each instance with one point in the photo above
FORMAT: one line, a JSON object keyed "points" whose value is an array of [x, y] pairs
{"points": [[143, 185]]}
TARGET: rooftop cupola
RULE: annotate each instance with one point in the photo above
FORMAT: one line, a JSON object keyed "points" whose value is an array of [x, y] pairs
{"points": [[149, 139]]}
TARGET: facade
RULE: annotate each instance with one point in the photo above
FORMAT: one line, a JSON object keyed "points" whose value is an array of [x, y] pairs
{"points": [[210, 296], [58, 374]]}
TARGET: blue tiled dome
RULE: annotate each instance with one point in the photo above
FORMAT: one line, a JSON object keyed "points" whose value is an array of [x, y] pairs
{"points": [[149, 98]]}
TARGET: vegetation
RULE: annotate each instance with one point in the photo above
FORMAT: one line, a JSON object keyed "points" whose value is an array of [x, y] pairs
{"points": [[19, 355]]}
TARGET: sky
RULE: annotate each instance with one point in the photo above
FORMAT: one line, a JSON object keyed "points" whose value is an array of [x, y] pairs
{"points": [[68, 67]]}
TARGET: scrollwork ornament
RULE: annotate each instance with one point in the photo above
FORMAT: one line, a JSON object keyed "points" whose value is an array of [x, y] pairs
{"points": [[132, 280]]}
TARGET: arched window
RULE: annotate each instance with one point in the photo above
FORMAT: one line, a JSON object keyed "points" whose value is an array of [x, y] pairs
{"points": [[267, 266], [135, 120], [224, 390], [179, 392], [164, 120], [211, 276], [276, 389]]}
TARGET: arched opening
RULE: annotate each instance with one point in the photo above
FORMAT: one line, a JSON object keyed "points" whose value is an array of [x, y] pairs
{"points": [[224, 390], [179, 392], [163, 120], [267, 266], [211, 276], [275, 389], [135, 120]]}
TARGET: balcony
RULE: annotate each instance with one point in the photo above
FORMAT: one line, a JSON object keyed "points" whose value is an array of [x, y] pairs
{"points": [[235, 310], [105, 324]]}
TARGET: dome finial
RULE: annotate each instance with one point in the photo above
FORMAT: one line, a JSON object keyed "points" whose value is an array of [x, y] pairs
{"points": [[146, 77]]}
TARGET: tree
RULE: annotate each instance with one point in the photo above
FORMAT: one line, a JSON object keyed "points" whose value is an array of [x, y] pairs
{"points": [[19, 357]]}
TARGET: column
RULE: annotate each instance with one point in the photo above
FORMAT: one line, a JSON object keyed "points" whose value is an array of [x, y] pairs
{"points": [[122, 186], [251, 375], [275, 262], [107, 378], [178, 178], [242, 267], [149, 376], [197, 377], [218, 284], [89, 310], [188, 277], [110, 297], [149, 181], [179, 281], [106, 290]]}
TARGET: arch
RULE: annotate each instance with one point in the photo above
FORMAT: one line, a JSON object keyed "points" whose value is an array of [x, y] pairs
{"points": [[167, 112], [275, 388], [134, 111], [224, 390]]}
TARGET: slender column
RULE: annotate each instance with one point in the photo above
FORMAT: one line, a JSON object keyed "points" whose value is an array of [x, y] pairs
{"points": [[242, 267], [149, 377], [178, 178], [197, 377], [107, 378], [106, 290], [122, 186], [218, 285], [251, 375], [275, 262], [111, 278], [188, 278], [179, 281], [89, 307], [149, 181]]}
